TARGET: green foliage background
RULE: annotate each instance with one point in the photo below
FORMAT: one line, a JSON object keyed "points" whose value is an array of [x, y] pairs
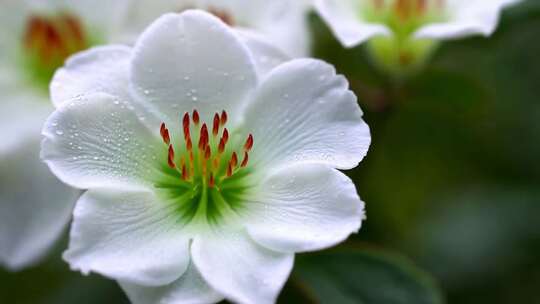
{"points": [[451, 184]]}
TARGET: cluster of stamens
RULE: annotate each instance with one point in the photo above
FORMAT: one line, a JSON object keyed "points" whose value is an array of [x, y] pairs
{"points": [[53, 39], [210, 159], [406, 9]]}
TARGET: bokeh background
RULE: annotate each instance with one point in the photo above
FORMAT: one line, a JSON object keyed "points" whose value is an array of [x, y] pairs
{"points": [[451, 184]]}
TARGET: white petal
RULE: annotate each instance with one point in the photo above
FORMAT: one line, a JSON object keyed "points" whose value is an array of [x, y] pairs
{"points": [[467, 18], [205, 66], [303, 112], [98, 141], [305, 208], [101, 69], [35, 207], [344, 19], [265, 55], [190, 288], [127, 236], [240, 269], [22, 115]]}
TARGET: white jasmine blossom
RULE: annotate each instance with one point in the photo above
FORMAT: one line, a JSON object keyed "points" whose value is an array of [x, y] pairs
{"points": [[403, 33], [35, 38], [204, 177]]}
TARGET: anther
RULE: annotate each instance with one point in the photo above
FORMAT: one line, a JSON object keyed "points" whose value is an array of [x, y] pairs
{"points": [[245, 160], [195, 117], [165, 134], [203, 138], [223, 118], [249, 143], [225, 136], [185, 124], [229, 170], [170, 160], [215, 128], [221, 146], [234, 160], [207, 153]]}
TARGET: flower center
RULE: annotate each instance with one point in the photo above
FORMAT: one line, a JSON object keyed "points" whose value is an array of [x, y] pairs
{"points": [[206, 172], [48, 41], [404, 16], [223, 15]]}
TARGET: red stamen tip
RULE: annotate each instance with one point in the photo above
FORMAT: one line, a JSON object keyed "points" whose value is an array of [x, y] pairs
{"points": [[185, 124], [249, 143], [234, 160], [207, 153], [245, 160], [215, 128], [229, 170], [170, 160], [223, 118], [196, 117], [164, 134], [225, 136], [221, 147]]}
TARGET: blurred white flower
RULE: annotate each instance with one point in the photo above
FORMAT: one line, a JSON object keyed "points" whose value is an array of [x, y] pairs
{"points": [[204, 177], [403, 33], [35, 38], [282, 23]]}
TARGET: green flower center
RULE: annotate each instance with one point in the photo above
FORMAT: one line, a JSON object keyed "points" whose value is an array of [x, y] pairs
{"points": [[206, 174], [47, 42], [401, 52]]}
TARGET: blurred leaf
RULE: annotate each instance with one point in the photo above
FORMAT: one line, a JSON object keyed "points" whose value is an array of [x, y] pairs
{"points": [[480, 237], [363, 276]]}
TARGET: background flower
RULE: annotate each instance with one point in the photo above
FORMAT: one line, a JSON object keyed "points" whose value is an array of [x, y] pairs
{"points": [[403, 33], [36, 38]]}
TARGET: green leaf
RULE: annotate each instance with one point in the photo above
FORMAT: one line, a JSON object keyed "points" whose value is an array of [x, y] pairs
{"points": [[364, 276]]}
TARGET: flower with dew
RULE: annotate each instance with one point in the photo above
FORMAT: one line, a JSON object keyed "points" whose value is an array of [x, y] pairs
{"points": [[35, 38], [203, 176], [282, 23], [402, 34]]}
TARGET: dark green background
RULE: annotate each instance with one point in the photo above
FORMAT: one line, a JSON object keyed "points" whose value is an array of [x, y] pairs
{"points": [[451, 184]]}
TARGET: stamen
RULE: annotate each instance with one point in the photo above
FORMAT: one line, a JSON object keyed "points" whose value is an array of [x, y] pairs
{"points": [[170, 160], [215, 128], [225, 136], [234, 160], [195, 117], [249, 143], [203, 139], [223, 118], [165, 134], [221, 147], [245, 160], [185, 124]]}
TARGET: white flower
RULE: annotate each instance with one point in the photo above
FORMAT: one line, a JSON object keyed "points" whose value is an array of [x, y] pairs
{"points": [[282, 23], [36, 36], [405, 32], [203, 176]]}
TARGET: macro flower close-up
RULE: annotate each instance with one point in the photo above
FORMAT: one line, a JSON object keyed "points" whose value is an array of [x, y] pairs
{"points": [[203, 176], [401, 34]]}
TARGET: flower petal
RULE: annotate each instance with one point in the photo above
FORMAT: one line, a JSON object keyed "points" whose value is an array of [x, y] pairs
{"points": [[98, 141], [35, 207], [205, 66], [344, 19], [305, 208], [190, 288], [240, 269], [100, 69], [466, 18], [128, 236], [303, 112], [266, 56]]}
